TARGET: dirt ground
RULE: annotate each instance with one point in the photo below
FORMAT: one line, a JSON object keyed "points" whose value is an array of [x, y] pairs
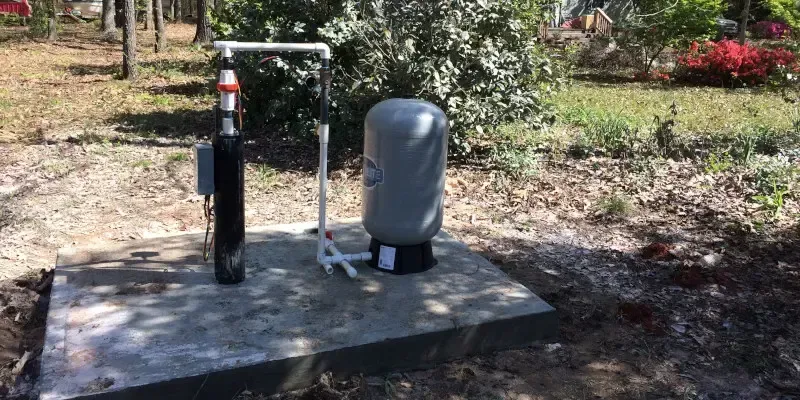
{"points": [[687, 295]]}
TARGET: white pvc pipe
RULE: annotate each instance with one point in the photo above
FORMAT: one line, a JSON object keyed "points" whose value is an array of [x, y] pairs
{"points": [[351, 272], [321, 48], [323, 188], [345, 257], [328, 268]]}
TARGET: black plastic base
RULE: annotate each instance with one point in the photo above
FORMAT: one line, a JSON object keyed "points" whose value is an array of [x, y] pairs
{"points": [[406, 260]]}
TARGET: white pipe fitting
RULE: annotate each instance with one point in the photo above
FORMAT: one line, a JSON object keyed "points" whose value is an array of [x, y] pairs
{"points": [[328, 269], [351, 272], [337, 258]]}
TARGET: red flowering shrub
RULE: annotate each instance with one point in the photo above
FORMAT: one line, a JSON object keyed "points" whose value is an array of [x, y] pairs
{"points": [[770, 30], [727, 62]]}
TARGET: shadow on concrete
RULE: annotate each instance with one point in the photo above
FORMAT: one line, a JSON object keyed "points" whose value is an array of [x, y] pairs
{"points": [[281, 328]]}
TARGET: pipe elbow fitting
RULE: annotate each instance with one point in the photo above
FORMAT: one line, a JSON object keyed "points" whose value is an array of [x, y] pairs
{"points": [[323, 49], [222, 44]]}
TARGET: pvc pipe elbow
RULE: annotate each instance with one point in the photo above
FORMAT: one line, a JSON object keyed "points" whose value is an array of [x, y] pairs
{"points": [[223, 44], [323, 49]]}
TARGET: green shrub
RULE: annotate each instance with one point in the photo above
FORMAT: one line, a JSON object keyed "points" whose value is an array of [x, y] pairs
{"points": [[471, 58]]}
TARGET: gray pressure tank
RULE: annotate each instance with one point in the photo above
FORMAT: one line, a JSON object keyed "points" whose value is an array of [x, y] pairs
{"points": [[405, 158]]}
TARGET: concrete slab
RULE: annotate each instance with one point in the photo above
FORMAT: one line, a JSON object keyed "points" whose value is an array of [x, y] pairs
{"points": [[145, 319]]}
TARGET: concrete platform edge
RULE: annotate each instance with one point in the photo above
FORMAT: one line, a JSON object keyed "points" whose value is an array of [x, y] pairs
{"points": [[403, 354]]}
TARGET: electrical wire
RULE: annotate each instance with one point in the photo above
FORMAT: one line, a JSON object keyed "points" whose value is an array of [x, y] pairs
{"points": [[209, 214]]}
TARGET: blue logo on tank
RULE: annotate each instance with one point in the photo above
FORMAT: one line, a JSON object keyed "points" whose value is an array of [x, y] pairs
{"points": [[372, 174]]}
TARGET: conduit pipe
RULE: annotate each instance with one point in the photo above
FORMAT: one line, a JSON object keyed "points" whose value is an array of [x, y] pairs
{"points": [[323, 246]]}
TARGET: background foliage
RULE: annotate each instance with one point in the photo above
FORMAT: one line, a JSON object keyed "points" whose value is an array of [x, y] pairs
{"points": [[39, 19], [657, 24], [471, 58], [787, 11]]}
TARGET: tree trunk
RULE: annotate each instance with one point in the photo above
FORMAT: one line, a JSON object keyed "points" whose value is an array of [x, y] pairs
{"points": [[148, 18], [161, 32], [203, 34], [109, 23], [743, 24], [178, 10], [129, 41], [218, 6], [52, 23], [120, 19]]}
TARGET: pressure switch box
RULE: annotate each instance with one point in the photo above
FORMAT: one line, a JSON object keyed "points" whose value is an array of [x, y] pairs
{"points": [[203, 168]]}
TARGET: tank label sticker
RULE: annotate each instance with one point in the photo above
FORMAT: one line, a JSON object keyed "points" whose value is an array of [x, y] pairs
{"points": [[386, 258], [372, 174]]}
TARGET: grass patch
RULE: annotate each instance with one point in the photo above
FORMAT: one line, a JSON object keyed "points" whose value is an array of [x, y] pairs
{"points": [[178, 156], [266, 176], [716, 163], [154, 99], [702, 110], [614, 205], [144, 164]]}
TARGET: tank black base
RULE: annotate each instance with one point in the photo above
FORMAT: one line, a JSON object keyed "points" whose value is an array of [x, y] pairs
{"points": [[401, 260]]}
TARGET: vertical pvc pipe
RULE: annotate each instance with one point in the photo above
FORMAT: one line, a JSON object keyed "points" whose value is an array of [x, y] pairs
{"points": [[324, 130], [229, 260]]}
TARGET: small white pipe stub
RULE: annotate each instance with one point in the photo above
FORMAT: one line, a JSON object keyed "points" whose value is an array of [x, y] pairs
{"points": [[328, 268]]}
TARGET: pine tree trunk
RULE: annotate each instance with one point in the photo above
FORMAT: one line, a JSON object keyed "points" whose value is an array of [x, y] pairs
{"points": [[148, 18], [161, 31], [129, 41], [743, 24], [109, 22], [52, 24], [178, 10], [203, 34]]}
